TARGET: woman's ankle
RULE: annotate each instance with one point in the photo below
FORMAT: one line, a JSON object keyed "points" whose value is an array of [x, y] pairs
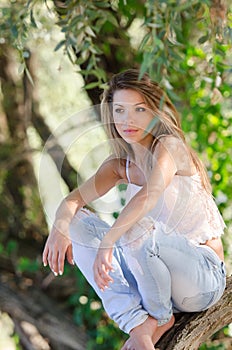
{"points": [[161, 330]]}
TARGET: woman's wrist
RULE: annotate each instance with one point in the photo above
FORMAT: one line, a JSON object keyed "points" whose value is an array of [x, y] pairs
{"points": [[107, 241]]}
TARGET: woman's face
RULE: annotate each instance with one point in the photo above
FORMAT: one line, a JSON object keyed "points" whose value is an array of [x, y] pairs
{"points": [[132, 117]]}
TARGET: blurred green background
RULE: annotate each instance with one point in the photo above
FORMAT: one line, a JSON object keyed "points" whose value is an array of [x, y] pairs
{"points": [[55, 57]]}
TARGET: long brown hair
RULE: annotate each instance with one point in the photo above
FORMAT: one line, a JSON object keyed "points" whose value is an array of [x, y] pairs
{"points": [[167, 121]]}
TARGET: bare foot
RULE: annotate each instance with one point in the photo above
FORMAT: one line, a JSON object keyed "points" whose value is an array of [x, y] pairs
{"points": [[160, 330], [146, 335], [141, 336]]}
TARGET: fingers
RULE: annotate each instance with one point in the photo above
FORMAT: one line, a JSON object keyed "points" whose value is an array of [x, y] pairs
{"points": [[69, 255], [61, 259], [107, 266], [102, 280], [49, 258], [101, 274], [60, 262], [45, 256], [53, 261], [54, 254]]}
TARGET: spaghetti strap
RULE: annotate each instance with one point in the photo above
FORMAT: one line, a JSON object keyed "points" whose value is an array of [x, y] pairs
{"points": [[127, 169]]}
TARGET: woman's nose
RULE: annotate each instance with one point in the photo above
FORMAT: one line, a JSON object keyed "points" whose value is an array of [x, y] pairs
{"points": [[129, 116]]}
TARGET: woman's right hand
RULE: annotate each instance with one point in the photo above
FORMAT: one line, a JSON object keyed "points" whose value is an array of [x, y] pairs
{"points": [[57, 247]]}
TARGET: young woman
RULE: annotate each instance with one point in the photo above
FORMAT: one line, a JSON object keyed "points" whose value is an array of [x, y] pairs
{"points": [[163, 254]]}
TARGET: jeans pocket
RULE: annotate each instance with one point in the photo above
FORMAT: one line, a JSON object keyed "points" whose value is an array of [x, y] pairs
{"points": [[199, 302]]}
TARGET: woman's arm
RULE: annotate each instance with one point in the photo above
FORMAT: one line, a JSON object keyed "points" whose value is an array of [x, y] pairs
{"points": [[58, 244], [145, 200], [166, 166]]}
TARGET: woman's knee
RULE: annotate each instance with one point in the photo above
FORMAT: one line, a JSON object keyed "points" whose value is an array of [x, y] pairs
{"points": [[87, 229]]}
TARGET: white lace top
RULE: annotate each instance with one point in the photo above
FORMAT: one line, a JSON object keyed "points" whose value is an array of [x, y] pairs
{"points": [[185, 208]]}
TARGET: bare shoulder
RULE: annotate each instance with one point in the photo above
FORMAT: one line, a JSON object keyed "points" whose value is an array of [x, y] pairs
{"points": [[111, 167], [178, 151], [171, 144], [106, 177]]}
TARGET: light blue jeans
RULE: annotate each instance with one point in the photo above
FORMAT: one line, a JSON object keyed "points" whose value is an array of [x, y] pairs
{"points": [[154, 273]]}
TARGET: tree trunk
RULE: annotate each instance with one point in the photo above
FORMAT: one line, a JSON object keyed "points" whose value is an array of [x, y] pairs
{"points": [[40, 322], [192, 329], [19, 195]]}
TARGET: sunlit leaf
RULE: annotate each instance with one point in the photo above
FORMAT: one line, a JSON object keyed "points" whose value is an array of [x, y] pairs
{"points": [[91, 85], [203, 39], [59, 45]]}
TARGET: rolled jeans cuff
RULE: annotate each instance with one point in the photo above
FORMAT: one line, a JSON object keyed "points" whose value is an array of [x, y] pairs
{"points": [[164, 321], [131, 324], [137, 322]]}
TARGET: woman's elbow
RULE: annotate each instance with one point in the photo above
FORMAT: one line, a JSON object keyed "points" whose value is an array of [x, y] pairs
{"points": [[147, 203]]}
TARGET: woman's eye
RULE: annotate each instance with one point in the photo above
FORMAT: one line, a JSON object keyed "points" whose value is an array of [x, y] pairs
{"points": [[119, 110], [140, 109]]}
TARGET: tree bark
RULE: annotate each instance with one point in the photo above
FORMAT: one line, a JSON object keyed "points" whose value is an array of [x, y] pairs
{"points": [[193, 329], [54, 325], [36, 316], [19, 196]]}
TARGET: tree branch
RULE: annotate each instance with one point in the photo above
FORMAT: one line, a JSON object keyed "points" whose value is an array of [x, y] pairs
{"points": [[36, 309], [192, 329]]}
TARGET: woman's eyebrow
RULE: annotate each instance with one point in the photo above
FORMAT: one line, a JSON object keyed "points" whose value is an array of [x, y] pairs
{"points": [[139, 103], [117, 104]]}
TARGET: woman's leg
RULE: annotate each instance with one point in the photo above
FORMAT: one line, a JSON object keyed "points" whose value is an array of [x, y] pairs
{"points": [[150, 271], [154, 284], [198, 275], [168, 271], [121, 300], [171, 272]]}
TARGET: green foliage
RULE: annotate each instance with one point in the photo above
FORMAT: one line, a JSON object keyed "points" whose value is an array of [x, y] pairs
{"points": [[218, 342], [1, 248], [183, 46], [205, 120], [107, 337], [163, 28], [11, 247], [17, 341], [28, 265], [16, 24], [212, 347], [92, 29]]}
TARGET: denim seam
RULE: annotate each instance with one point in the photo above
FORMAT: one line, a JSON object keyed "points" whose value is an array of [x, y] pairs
{"points": [[150, 254]]}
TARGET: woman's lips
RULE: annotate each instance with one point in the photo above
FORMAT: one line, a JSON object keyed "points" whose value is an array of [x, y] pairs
{"points": [[130, 131]]}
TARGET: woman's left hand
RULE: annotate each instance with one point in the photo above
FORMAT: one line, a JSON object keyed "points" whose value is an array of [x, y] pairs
{"points": [[103, 265]]}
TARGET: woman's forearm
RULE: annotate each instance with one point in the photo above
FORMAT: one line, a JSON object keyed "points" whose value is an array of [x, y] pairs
{"points": [[66, 211], [135, 210], [164, 170]]}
